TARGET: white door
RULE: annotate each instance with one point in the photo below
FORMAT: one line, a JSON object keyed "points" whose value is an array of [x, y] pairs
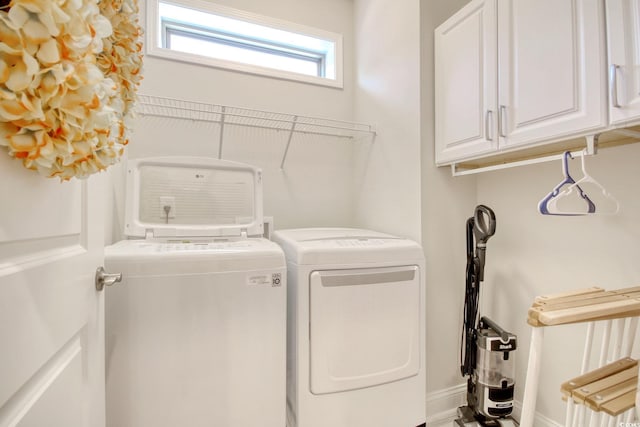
{"points": [[51, 316], [466, 83], [623, 38], [552, 64]]}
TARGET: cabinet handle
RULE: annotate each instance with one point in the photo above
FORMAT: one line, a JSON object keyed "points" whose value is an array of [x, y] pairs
{"points": [[488, 125], [613, 85], [502, 113]]}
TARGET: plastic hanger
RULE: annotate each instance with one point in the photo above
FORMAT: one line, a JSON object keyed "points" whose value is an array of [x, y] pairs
{"points": [[547, 206], [588, 179]]}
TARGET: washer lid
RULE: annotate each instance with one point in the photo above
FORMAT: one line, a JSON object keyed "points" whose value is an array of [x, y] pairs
{"points": [[192, 196]]}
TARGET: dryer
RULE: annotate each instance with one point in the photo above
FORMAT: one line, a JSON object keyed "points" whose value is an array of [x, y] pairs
{"points": [[356, 329], [196, 332]]}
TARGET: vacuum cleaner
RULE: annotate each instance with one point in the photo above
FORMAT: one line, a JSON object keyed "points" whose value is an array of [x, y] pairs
{"points": [[487, 350]]}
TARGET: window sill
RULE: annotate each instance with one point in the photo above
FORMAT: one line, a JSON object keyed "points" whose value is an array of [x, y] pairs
{"points": [[243, 68]]}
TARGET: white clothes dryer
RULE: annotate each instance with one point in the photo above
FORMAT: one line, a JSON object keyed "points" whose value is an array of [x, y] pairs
{"points": [[355, 329], [196, 331]]}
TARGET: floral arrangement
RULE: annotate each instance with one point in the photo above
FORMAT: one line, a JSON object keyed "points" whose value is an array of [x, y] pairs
{"points": [[69, 70]]}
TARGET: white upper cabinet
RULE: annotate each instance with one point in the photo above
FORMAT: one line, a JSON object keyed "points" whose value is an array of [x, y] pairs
{"points": [[465, 77], [546, 82], [623, 37], [552, 62]]}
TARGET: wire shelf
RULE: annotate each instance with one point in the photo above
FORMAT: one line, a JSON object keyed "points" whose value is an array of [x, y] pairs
{"points": [[149, 105]]}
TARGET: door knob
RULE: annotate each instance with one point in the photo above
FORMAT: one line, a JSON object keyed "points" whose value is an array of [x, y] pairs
{"points": [[103, 278]]}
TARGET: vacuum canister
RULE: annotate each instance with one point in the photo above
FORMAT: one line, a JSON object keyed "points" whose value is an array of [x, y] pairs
{"points": [[495, 372]]}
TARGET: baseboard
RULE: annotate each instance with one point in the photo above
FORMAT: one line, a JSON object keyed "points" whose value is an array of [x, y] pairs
{"points": [[443, 404], [539, 419]]}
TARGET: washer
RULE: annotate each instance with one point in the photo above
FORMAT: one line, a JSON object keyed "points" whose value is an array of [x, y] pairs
{"points": [[196, 331], [356, 329]]}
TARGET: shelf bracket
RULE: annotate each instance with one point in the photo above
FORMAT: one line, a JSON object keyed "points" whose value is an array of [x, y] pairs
{"points": [[286, 150], [220, 139], [592, 144]]}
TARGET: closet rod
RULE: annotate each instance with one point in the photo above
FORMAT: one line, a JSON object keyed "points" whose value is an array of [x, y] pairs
{"points": [[589, 150]]}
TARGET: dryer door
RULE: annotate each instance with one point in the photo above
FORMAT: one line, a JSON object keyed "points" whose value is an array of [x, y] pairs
{"points": [[364, 327]]}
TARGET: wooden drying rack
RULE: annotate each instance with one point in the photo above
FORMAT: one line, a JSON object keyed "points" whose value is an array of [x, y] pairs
{"points": [[610, 389], [584, 305]]}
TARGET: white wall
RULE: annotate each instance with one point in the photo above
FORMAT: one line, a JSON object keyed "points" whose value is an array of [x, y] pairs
{"points": [[532, 254], [447, 202], [317, 183], [388, 95]]}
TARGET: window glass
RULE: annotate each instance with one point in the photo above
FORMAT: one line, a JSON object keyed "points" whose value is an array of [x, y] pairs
{"points": [[209, 34]]}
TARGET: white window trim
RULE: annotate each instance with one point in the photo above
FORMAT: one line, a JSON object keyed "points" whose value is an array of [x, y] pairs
{"points": [[153, 33]]}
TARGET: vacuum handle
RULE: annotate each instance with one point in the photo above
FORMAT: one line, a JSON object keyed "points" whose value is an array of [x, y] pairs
{"points": [[484, 226], [504, 335]]}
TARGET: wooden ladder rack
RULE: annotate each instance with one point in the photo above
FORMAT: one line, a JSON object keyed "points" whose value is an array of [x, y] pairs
{"points": [[609, 390], [584, 305]]}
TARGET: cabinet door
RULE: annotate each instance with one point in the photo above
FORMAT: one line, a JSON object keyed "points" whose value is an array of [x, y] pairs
{"points": [[623, 31], [465, 83], [552, 80]]}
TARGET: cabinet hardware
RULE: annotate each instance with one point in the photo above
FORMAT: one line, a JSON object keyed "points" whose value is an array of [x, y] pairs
{"points": [[613, 85], [502, 113], [488, 125]]}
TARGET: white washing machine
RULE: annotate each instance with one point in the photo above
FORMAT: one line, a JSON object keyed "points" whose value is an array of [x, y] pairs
{"points": [[196, 331], [356, 329]]}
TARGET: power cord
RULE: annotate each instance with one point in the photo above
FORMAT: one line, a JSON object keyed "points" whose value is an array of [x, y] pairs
{"points": [[167, 209]]}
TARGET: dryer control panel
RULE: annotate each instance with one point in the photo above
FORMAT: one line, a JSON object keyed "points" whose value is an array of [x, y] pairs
{"points": [[360, 243]]}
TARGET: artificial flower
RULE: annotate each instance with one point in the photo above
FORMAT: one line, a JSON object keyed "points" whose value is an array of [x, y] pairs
{"points": [[69, 70], [121, 59]]}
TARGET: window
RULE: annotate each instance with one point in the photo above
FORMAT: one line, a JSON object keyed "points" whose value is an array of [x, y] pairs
{"points": [[205, 33]]}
